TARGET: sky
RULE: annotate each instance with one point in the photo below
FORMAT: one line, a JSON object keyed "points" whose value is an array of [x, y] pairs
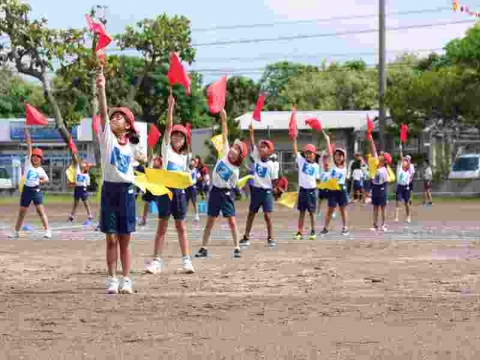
{"points": [[290, 18]]}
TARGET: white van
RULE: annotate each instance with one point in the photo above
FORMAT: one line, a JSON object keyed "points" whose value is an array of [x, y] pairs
{"points": [[466, 166], [6, 184]]}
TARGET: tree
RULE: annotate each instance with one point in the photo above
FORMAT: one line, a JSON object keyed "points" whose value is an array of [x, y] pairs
{"points": [[33, 47], [465, 52]]}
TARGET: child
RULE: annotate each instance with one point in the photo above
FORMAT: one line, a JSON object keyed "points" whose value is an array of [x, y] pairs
{"points": [[412, 175], [308, 174], [280, 187], [261, 192], [117, 215], [35, 176], [224, 179], [357, 176], [427, 184], [324, 177], [203, 180], [379, 185], [367, 181], [337, 197], [148, 197], [191, 192], [174, 152], [82, 181], [403, 186]]}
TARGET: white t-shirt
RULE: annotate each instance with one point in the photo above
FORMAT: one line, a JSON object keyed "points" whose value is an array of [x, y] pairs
{"points": [[357, 175], [403, 177], [325, 176], [173, 161], [117, 160], [340, 174], [264, 171], [33, 174], [381, 176], [412, 171], [308, 173], [428, 175], [195, 175], [80, 178], [225, 175]]}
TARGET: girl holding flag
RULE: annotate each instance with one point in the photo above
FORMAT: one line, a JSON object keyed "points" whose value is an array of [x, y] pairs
{"points": [[403, 190], [82, 181], [35, 176], [225, 177], [117, 215]]}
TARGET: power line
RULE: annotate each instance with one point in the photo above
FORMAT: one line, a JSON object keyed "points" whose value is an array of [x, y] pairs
{"points": [[321, 20], [344, 33]]}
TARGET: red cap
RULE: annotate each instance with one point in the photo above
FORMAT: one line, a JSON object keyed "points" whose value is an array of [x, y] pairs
{"points": [[180, 128], [128, 116], [269, 145], [37, 152], [387, 157], [310, 147]]}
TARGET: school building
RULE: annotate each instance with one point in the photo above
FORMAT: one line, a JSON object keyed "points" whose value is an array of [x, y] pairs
{"points": [[13, 148]]}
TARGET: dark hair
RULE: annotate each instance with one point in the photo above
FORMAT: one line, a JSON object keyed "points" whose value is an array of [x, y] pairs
{"points": [[133, 138], [427, 161]]}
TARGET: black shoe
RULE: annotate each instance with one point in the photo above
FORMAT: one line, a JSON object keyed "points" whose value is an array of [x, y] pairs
{"points": [[237, 254], [271, 243], [324, 231], [245, 242], [202, 253]]}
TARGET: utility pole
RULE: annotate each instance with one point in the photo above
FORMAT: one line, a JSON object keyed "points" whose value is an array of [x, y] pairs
{"points": [[382, 73]]}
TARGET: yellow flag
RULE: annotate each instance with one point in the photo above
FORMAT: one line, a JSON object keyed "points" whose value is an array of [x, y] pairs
{"points": [[21, 183], [243, 181], [171, 179], [372, 165], [288, 199], [142, 182], [217, 141], [391, 174], [71, 173], [330, 184], [455, 5]]}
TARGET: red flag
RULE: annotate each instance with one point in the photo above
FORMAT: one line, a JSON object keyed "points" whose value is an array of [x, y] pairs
{"points": [[103, 38], [72, 146], [34, 117], [258, 108], [153, 136], [292, 127], [189, 134], [96, 124], [177, 74], [217, 93], [403, 133], [370, 125], [314, 123]]}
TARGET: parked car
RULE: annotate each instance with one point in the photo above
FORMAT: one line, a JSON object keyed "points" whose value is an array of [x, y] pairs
{"points": [[6, 184], [466, 166]]}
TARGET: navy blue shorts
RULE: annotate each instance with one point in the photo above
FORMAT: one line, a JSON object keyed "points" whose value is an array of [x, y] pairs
{"points": [[379, 194], [307, 200], [337, 198], [367, 185], [148, 197], [117, 213], [80, 193], [357, 185], [221, 200], [177, 207], [31, 194], [261, 198], [323, 194], [403, 193], [191, 194]]}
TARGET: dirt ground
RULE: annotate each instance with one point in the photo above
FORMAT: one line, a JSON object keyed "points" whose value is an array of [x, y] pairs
{"points": [[411, 293]]}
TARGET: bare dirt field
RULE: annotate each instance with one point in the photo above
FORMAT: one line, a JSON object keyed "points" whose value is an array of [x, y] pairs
{"points": [[410, 293]]}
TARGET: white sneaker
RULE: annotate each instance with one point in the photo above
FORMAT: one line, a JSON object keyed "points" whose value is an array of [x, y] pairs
{"points": [[155, 266], [48, 234], [396, 219], [196, 218], [409, 219], [187, 265], [14, 235], [384, 228], [126, 286], [112, 285]]}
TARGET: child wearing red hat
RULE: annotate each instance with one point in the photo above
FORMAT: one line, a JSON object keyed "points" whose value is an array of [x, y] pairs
{"points": [[118, 137], [265, 175], [81, 183], [403, 191], [379, 185], [308, 175], [35, 176], [174, 153], [222, 196]]}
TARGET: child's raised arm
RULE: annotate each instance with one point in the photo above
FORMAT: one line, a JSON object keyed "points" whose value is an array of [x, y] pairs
{"points": [[29, 142], [252, 136], [223, 118], [102, 98], [373, 148], [329, 147], [295, 146], [168, 128]]}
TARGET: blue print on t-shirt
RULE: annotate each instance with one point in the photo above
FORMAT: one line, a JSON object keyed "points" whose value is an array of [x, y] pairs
{"points": [[261, 170], [223, 171], [174, 167], [308, 169], [337, 175], [81, 178], [120, 161], [324, 177], [32, 175]]}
